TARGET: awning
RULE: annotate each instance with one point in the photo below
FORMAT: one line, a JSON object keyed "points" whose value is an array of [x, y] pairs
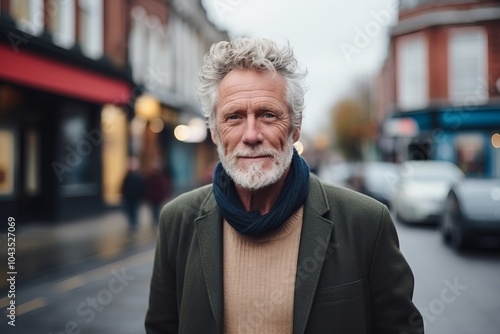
{"points": [[40, 72]]}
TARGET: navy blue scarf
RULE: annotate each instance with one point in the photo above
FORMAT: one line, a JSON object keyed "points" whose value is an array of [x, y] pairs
{"points": [[252, 223]]}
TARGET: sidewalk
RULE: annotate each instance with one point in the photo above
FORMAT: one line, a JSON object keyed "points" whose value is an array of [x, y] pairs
{"points": [[44, 250]]}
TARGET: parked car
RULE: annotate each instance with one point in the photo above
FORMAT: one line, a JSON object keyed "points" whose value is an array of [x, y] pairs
{"points": [[472, 209], [373, 178], [379, 180], [337, 173], [421, 190]]}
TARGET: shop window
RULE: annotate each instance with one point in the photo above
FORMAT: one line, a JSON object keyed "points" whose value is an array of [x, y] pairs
{"points": [[412, 68], [76, 165], [7, 162], [470, 154], [468, 66], [114, 153]]}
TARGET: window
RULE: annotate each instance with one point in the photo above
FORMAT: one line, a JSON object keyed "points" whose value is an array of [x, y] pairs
{"points": [[62, 22], [29, 15], [150, 51], [412, 68], [91, 27], [137, 43], [468, 66]]}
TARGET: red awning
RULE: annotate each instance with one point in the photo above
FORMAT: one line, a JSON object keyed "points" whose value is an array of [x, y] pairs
{"points": [[43, 73]]}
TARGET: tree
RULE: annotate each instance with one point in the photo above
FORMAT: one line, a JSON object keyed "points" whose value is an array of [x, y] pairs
{"points": [[348, 118]]}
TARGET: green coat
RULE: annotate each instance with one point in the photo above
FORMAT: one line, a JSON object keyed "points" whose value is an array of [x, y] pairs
{"points": [[351, 276]]}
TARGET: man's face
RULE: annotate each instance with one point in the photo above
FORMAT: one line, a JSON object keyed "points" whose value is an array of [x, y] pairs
{"points": [[253, 128]]}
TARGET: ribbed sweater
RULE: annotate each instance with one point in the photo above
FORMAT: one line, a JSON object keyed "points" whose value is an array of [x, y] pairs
{"points": [[259, 278]]}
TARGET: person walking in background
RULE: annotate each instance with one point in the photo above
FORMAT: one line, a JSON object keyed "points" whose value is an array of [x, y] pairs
{"points": [[133, 188], [158, 189], [267, 247]]}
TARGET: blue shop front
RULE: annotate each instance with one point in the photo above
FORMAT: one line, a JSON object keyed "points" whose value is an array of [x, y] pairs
{"points": [[469, 136]]}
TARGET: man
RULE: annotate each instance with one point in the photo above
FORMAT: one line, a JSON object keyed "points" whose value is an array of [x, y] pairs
{"points": [[268, 248]]}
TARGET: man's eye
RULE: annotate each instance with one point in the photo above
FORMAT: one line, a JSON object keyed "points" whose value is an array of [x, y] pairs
{"points": [[233, 116], [269, 115]]}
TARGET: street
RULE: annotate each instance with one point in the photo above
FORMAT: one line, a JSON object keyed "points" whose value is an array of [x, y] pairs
{"points": [[109, 299], [456, 293], [86, 276]]}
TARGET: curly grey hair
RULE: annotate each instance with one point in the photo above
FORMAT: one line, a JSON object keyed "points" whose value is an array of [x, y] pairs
{"points": [[259, 54]]}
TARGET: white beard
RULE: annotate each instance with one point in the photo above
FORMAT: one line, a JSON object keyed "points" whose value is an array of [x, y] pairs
{"points": [[253, 176]]}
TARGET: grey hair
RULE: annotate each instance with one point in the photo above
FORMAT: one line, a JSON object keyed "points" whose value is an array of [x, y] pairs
{"points": [[259, 54]]}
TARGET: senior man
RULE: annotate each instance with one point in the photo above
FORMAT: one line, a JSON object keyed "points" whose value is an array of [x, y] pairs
{"points": [[267, 247]]}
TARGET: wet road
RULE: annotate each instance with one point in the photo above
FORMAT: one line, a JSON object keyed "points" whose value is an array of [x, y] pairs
{"points": [[89, 276], [457, 293]]}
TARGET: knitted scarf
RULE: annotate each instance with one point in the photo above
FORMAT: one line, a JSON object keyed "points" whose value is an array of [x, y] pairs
{"points": [[252, 223]]}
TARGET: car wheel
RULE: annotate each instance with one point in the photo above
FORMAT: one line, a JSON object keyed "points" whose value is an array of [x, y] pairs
{"points": [[460, 240], [446, 222], [445, 231]]}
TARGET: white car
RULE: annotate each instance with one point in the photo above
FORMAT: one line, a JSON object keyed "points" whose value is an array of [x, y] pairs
{"points": [[421, 190]]}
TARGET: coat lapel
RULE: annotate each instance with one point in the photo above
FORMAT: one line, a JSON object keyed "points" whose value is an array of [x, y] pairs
{"points": [[209, 231], [314, 245]]}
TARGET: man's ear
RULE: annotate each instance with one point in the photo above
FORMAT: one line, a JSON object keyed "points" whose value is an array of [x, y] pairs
{"points": [[296, 134], [213, 135]]}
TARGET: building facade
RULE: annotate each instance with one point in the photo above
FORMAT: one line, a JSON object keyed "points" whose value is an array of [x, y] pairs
{"points": [[166, 48], [85, 84], [439, 95]]}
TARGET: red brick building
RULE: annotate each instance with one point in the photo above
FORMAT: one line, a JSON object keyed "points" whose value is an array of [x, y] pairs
{"points": [[439, 89]]}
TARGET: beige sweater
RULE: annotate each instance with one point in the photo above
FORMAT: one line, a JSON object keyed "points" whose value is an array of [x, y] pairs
{"points": [[259, 279]]}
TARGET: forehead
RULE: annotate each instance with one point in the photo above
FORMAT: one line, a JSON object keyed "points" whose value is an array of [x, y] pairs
{"points": [[250, 83]]}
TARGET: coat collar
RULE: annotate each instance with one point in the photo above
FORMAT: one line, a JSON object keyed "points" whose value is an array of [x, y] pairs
{"points": [[314, 246]]}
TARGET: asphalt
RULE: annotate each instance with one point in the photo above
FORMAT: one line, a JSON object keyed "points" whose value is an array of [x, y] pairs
{"points": [[45, 252]]}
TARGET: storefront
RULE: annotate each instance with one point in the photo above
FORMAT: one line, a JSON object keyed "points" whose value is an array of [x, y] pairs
{"points": [[53, 135], [467, 135]]}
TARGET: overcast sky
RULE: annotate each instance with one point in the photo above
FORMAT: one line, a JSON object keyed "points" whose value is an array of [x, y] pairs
{"points": [[338, 41]]}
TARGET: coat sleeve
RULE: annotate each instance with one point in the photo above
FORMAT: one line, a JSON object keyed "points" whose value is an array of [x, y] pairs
{"points": [[391, 285], [162, 314]]}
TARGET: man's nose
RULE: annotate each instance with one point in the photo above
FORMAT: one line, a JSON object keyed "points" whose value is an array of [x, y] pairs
{"points": [[252, 134]]}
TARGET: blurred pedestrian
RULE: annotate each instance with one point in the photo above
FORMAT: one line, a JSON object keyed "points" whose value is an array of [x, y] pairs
{"points": [[158, 189], [267, 247], [133, 193]]}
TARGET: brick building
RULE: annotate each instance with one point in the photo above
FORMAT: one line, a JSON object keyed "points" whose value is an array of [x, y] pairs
{"points": [[439, 89]]}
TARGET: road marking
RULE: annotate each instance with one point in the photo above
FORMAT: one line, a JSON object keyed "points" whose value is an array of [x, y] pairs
{"points": [[30, 306], [69, 284], [4, 302], [103, 272], [83, 279]]}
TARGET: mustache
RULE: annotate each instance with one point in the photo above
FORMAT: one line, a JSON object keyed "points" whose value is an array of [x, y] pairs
{"points": [[255, 152]]}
